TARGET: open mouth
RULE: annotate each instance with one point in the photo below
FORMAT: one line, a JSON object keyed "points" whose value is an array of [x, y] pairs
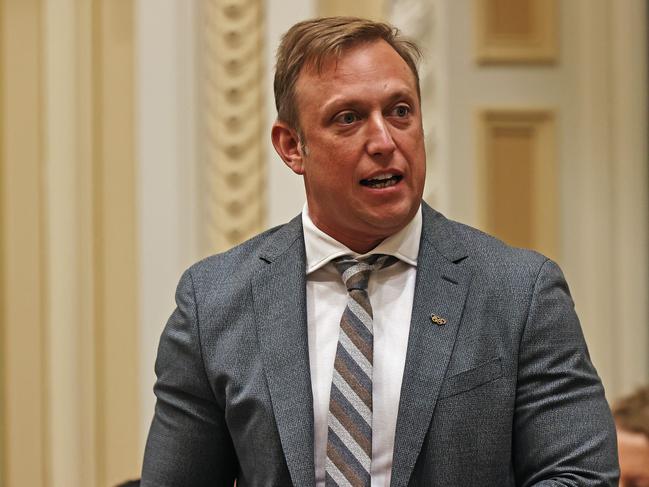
{"points": [[381, 181]]}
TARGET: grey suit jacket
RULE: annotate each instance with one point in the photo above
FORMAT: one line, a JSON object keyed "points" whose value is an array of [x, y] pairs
{"points": [[503, 394]]}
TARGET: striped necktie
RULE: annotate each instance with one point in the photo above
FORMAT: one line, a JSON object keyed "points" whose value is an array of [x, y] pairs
{"points": [[349, 437]]}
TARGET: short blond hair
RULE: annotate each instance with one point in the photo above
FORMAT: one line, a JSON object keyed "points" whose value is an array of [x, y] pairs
{"points": [[631, 413], [313, 41]]}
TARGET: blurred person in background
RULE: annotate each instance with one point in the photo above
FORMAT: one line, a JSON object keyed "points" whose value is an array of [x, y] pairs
{"points": [[631, 416]]}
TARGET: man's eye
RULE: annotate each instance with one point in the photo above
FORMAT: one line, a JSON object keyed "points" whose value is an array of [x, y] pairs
{"points": [[401, 111], [347, 118]]}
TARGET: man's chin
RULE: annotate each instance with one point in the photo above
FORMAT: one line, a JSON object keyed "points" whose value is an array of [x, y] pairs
{"points": [[391, 220]]}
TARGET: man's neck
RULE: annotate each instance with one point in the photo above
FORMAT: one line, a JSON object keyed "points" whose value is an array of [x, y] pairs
{"points": [[356, 243]]}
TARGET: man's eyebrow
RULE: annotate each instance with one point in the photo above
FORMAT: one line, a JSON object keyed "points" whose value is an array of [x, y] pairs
{"points": [[402, 95], [340, 101]]}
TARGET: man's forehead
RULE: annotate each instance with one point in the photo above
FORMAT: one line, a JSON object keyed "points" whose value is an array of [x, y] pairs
{"points": [[324, 63], [362, 61], [345, 76]]}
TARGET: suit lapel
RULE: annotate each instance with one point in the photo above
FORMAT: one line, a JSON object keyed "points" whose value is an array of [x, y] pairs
{"points": [[441, 289], [279, 294]]}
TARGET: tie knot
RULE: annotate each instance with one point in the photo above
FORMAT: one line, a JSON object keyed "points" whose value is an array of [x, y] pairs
{"points": [[355, 273]]}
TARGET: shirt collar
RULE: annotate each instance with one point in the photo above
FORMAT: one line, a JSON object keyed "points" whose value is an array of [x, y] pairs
{"points": [[322, 248]]}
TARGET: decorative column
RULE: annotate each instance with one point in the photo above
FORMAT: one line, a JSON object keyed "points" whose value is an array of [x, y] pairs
{"points": [[231, 138]]}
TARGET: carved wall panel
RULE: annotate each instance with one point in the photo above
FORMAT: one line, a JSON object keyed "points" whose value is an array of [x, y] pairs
{"points": [[518, 178], [232, 121], [516, 31]]}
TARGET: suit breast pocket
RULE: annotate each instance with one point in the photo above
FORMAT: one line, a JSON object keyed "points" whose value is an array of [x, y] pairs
{"points": [[472, 378]]}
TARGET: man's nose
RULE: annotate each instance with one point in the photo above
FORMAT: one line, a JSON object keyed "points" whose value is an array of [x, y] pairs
{"points": [[379, 138]]}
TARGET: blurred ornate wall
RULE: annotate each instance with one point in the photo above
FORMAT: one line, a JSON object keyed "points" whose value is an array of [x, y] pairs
{"points": [[70, 409]]}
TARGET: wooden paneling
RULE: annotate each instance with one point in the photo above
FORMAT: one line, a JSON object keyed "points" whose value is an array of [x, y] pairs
{"points": [[516, 31], [517, 178], [24, 396], [510, 180], [115, 243], [629, 53], [69, 393]]}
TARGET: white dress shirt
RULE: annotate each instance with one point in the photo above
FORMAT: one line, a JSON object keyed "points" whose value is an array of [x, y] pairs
{"points": [[391, 291]]}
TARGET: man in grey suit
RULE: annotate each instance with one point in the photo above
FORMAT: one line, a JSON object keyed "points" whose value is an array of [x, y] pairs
{"points": [[371, 341]]}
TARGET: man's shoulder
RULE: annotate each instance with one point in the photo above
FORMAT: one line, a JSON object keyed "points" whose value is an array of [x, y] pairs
{"points": [[484, 246], [480, 251], [245, 258]]}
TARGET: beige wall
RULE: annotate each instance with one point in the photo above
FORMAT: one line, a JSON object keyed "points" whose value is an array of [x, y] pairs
{"points": [[373, 9], [285, 195], [24, 420], [69, 271], [167, 172], [597, 91]]}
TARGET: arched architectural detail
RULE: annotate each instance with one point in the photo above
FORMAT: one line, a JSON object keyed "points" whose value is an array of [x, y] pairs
{"points": [[232, 120]]}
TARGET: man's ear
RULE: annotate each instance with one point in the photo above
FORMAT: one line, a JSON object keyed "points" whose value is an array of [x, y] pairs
{"points": [[287, 144]]}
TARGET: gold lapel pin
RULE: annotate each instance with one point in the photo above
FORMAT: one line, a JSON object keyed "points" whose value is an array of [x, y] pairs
{"points": [[438, 320]]}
